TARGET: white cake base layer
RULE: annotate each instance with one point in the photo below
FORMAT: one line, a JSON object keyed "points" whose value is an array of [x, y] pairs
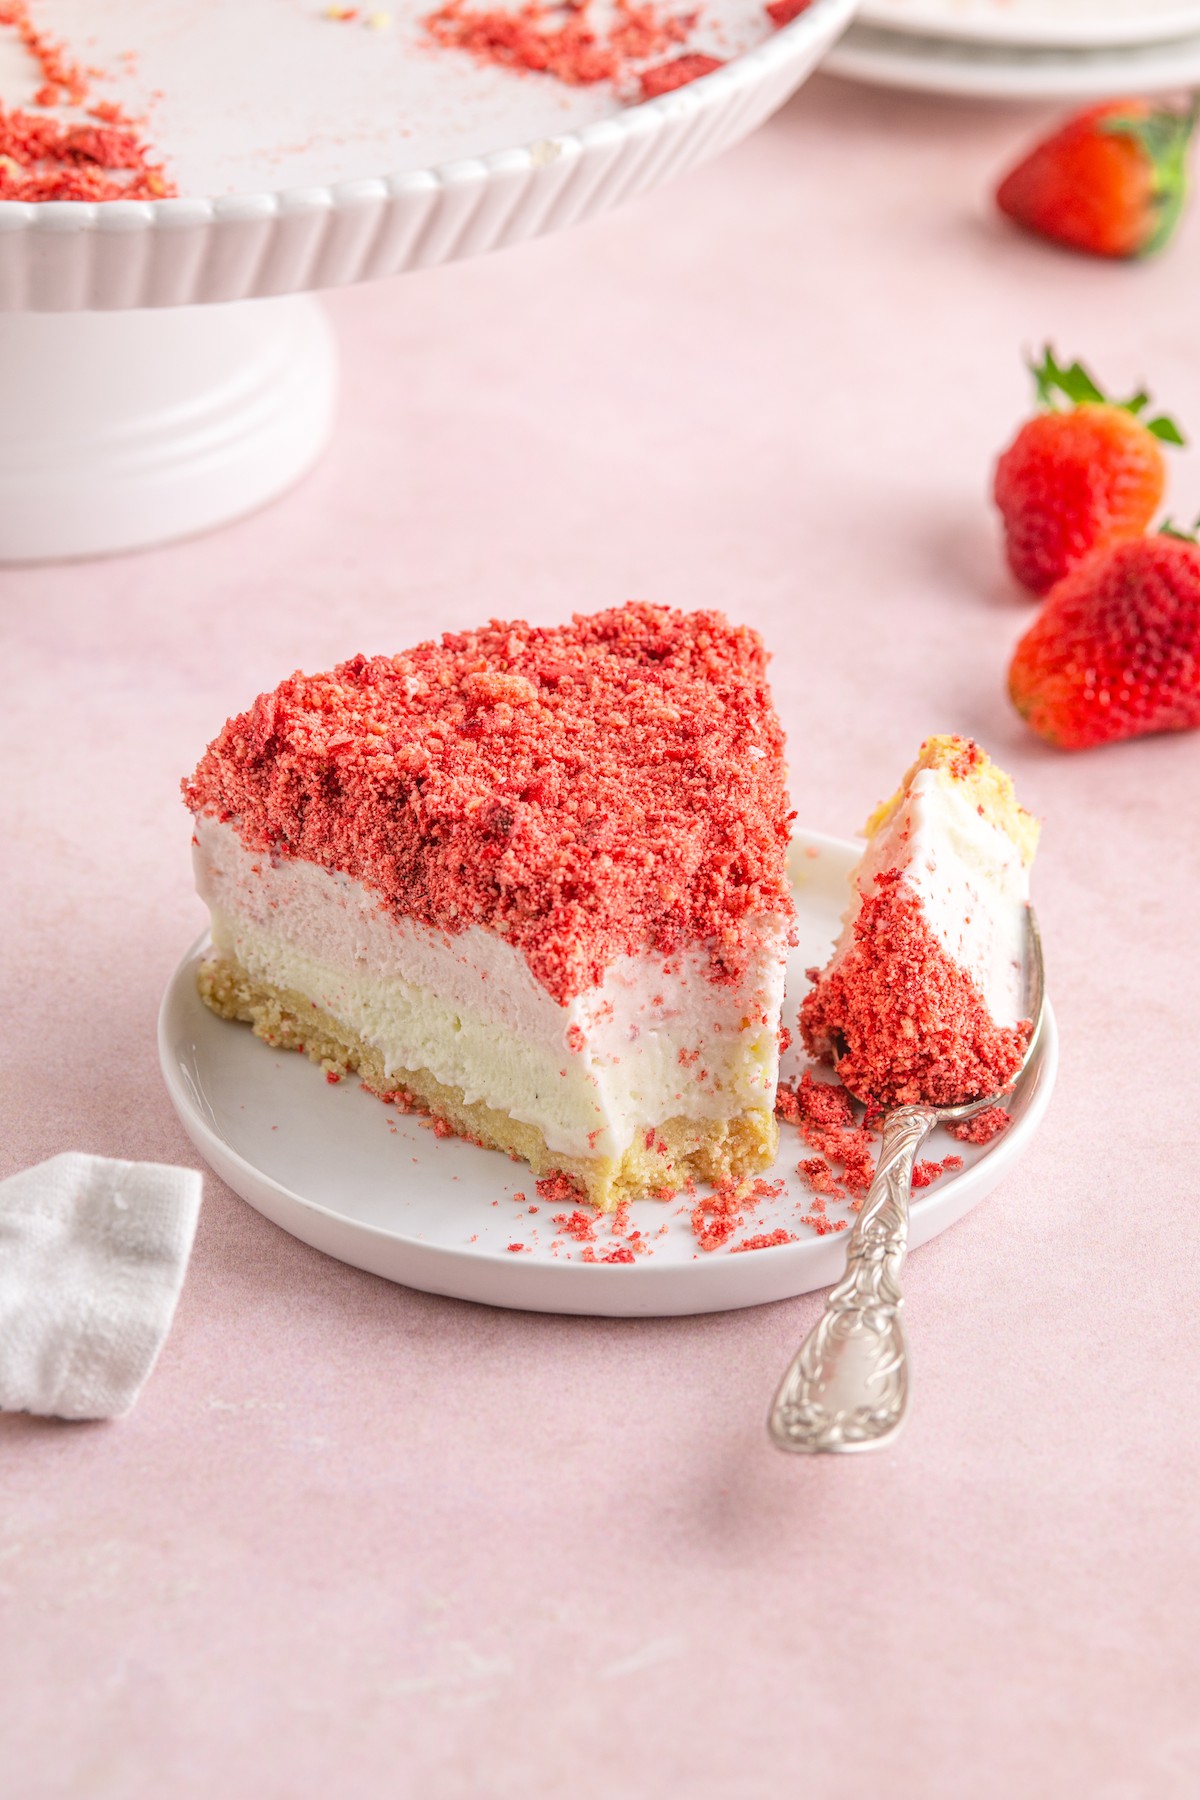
{"points": [[968, 874], [658, 1040]]}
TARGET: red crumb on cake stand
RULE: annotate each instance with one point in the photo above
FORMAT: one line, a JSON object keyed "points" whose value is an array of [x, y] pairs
{"points": [[100, 156], [573, 45]]}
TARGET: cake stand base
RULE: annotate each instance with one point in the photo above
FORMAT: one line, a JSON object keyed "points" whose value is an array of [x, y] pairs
{"points": [[123, 429]]}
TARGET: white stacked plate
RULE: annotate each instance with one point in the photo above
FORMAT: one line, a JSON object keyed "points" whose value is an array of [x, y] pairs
{"points": [[1023, 49]]}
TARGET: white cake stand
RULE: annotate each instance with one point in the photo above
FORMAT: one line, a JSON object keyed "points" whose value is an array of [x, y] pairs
{"points": [[162, 367]]}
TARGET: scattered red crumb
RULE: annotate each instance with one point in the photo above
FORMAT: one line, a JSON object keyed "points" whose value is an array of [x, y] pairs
{"points": [[781, 13], [576, 1041], [825, 1115], [579, 1225], [515, 1247], [822, 1224], [99, 156], [332, 1077], [915, 1025], [587, 790], [766, 1240], [619, 1253], [716, 1216], [785, 1040], [532, 1209], [819, 1176], [63, 82], [664, 78], [519, 1199], [983, 1127], [925, 1172]]}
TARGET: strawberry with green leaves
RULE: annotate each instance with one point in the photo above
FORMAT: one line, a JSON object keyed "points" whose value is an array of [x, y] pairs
{"points": [[1084, 472], [1115, 651], [1112, 181]]}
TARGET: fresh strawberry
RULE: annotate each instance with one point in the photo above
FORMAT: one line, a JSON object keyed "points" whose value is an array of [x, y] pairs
{"points": [[1111, 181], [1115, 651], [1072, 481]]}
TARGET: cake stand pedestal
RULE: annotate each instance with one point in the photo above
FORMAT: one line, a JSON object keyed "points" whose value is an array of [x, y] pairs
{"points": [[123, 429]]}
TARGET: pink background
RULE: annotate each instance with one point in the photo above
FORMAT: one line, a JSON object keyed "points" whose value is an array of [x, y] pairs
{"points": [[356, 1540]]}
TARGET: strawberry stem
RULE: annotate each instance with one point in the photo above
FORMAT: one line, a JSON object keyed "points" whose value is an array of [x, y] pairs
{"points": [[1072, 382], [1164, 136]]}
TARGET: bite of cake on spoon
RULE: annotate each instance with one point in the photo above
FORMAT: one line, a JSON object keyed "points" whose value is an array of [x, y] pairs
{"points": [[923, 999]]}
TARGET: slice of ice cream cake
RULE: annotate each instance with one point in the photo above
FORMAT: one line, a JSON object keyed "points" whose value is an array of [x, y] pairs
{"points": [[530, 879]]}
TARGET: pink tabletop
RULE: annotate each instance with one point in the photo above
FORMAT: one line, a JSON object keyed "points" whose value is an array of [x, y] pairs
{"points": [[358, 1541]]}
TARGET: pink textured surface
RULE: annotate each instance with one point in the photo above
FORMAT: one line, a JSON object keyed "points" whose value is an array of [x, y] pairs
{"points": [[355, 1540]]}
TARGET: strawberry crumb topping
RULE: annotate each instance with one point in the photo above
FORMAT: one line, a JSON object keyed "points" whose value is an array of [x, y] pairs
{"points": [[587, 791], [914, 1026]]}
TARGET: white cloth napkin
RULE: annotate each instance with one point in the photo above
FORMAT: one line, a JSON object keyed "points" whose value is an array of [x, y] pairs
{"points": [[92, 1258]]}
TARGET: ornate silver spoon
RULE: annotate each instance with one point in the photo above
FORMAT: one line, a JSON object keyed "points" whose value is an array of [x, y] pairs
{"points": [[847, 1387]]}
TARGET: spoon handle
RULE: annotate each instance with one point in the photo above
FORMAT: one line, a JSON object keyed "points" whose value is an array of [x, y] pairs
{"points": [[847, 1388]]}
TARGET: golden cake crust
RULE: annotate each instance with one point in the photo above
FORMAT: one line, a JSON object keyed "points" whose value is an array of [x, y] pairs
{"points": [[659, 1161]]}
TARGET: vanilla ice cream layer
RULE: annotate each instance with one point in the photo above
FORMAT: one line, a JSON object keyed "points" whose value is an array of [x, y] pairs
{"points": [[657, 1040], [971, 882]]}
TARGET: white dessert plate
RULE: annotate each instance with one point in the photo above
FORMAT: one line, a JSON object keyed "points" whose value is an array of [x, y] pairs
{"points": [[992, 72], [338, 1169], [1083, 24]]}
